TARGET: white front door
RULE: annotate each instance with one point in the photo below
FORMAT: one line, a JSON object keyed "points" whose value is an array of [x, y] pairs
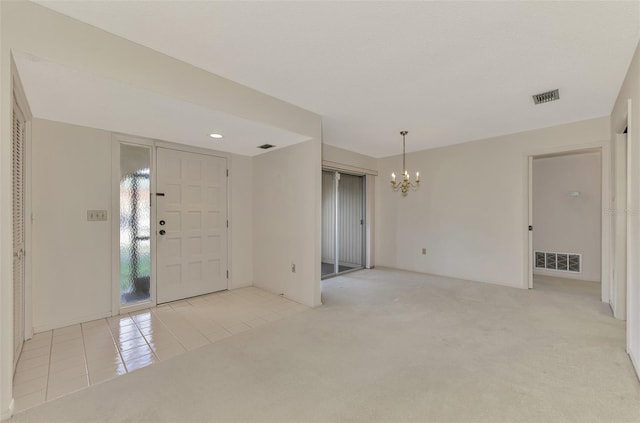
{"points": [[191, 224]]}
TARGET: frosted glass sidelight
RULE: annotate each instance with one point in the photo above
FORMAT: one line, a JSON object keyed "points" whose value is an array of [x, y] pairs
{"points": [[135, 224]]}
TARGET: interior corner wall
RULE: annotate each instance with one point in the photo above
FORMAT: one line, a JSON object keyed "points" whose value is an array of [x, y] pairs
{"points": [[630, 91], [469, 211], [564, 223], [241, 221], [286, 221]]}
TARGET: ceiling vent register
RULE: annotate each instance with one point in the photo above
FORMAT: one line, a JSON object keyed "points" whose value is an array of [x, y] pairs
{"points": [[266, 146], [546, 97]]}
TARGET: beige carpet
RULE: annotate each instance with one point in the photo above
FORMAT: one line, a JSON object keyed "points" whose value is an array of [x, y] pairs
{"points": [[393, 346]]}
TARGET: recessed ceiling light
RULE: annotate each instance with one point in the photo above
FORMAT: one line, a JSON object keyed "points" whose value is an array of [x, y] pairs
{"points": [[215, 135]]}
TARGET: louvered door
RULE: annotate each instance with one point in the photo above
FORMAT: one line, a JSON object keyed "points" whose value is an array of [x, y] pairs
{"points": [[18, 230]]}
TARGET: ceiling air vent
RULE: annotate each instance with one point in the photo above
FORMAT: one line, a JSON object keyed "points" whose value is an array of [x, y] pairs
{"points": [[546, 97], [266, 146]]}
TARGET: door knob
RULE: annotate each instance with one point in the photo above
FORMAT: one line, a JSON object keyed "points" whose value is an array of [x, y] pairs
{"points": [[162, 222], [162, 232]]}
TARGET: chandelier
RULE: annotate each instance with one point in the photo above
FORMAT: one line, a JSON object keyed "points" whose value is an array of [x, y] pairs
{"points": [[405, 183]]}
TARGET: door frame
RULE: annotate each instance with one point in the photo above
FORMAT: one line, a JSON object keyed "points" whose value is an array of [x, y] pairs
{"points": [[118, 138], [605, 205], [21, 100], [365, 220]]}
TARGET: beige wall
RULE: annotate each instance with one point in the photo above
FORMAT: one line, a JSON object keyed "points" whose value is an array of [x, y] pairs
{"points": [[470, 211], [286, 221], [567, 224], [241, 221], [348, 159], [71, 258], [630, 90]]}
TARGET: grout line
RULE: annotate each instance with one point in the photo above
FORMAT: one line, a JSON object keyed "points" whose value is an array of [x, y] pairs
{"points": [[171, 332], [46, 389], [144, 337], [115, 344], [84, 351]]}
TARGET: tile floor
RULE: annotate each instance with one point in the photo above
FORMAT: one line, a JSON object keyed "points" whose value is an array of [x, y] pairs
{"points": [[61, 361]]}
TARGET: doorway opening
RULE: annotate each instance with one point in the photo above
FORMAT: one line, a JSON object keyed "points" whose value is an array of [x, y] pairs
{"points": [[566, 212], [343, 223]]}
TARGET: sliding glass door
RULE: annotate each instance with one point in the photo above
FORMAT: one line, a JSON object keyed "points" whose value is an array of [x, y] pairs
{"points": [[342, 222]]}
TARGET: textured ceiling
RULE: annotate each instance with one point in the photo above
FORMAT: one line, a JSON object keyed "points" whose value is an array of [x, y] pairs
{"points": [[448, 72]]}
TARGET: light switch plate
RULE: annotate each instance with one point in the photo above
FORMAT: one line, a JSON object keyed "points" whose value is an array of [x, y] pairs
{"points": [[96, 215]]}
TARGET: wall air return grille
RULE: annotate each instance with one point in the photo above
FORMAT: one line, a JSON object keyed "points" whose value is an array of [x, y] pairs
{"points": [[546, 97], [563, 262]]}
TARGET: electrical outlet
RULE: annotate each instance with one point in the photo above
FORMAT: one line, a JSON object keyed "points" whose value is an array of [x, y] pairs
{"points": [[424, 251], [96, 215], [293, 268]]}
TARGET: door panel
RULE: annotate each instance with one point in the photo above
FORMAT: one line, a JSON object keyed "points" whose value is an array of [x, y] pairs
{"points": [[18, 146], [192, 252]]}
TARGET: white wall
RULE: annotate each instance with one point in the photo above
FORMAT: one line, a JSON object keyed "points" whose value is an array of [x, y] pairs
{"points": [[470, 210], [71, 171], [630, 90], [346, 159], [618, 216], [286, 221], [241, 221], [567, 224]]}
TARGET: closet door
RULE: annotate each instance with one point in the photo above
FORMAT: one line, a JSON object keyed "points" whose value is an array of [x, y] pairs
{"points": [[18, 147]]}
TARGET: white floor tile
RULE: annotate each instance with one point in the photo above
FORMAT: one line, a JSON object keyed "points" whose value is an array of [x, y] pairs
{"points": [[58, 362]]}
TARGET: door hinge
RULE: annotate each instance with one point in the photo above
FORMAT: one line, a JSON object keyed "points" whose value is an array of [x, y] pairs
{"points": [[227, 173], [530, 227], [227, 223], [227, 274]]}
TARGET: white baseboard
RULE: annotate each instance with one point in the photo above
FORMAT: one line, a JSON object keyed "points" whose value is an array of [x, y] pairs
{"points": [[635, 364], [239, 284], [7, 414], [71, 321]]}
